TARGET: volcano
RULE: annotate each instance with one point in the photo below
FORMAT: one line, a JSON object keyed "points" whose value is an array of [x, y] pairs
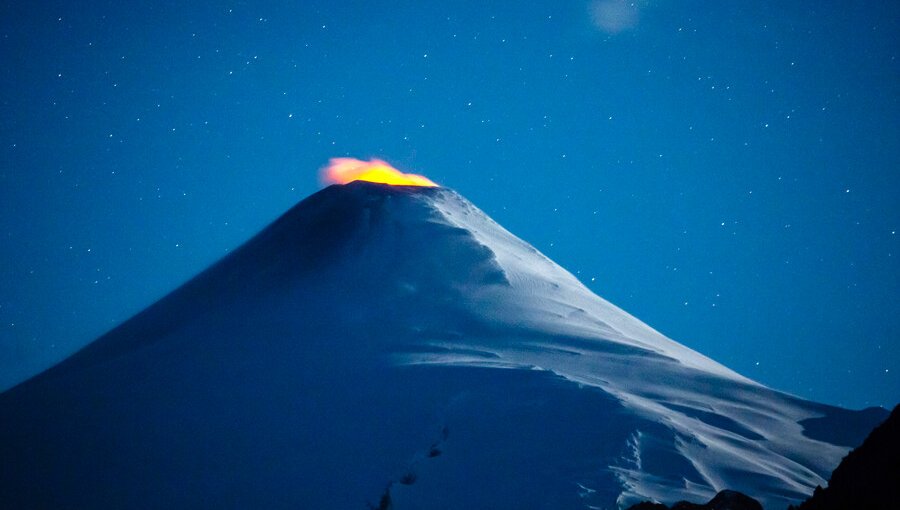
{"points": [[385, 346]]}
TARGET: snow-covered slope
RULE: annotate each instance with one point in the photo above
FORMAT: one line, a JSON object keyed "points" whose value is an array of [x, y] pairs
{"points": [[393, 346]]}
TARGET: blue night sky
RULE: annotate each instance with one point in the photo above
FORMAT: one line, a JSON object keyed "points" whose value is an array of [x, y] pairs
{"points": [[725, 171]]}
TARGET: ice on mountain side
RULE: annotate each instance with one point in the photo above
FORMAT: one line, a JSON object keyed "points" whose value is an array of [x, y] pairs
{"points": [[394, 344]]}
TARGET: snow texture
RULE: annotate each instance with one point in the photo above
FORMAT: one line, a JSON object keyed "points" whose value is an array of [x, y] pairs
{"points": [[394, 347]]}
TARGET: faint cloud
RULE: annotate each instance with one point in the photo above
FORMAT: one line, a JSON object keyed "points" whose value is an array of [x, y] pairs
{"points": [[615, 16]]}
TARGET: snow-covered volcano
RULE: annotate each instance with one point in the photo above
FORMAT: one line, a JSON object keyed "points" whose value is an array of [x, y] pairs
{"points": [[393, 346]]}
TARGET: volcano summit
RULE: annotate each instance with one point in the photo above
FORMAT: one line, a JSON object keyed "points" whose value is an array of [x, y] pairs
{"points": [[392, 346]]}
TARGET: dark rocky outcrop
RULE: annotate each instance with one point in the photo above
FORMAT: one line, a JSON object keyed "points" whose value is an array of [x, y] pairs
{"points": [[868, 477], [724, 500]]}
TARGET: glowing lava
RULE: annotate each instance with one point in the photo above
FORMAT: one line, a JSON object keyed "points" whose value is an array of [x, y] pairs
{"points": [[344, 170]]}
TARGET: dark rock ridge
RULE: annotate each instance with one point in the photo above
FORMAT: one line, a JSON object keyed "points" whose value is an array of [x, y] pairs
{"points": [[724, 500], [868, 477]]}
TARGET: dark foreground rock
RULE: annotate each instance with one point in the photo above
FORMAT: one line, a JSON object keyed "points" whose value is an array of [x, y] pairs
{"points": [[725, 500], [868, 477]]}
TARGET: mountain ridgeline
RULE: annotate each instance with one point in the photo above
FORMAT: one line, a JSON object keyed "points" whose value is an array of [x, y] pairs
{"points": [[392, 345]]}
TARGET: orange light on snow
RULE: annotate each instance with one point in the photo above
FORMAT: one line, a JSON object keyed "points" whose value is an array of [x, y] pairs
{"points": [[344, 170]]}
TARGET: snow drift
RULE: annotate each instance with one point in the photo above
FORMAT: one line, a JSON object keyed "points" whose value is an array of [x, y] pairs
{"points": [[393, 346]]}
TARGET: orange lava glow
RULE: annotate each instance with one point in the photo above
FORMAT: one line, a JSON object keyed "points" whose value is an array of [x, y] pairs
{"points": [[344, 170]]}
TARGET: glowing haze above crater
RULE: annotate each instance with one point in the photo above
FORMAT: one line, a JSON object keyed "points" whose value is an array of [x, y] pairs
{"points": [[344, 170]]}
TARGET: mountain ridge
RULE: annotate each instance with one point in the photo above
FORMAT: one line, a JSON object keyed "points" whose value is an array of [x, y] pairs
{"points": [[355, 326]]}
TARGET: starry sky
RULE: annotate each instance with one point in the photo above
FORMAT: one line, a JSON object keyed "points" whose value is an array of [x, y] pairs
{"points": [[725, 171]]}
